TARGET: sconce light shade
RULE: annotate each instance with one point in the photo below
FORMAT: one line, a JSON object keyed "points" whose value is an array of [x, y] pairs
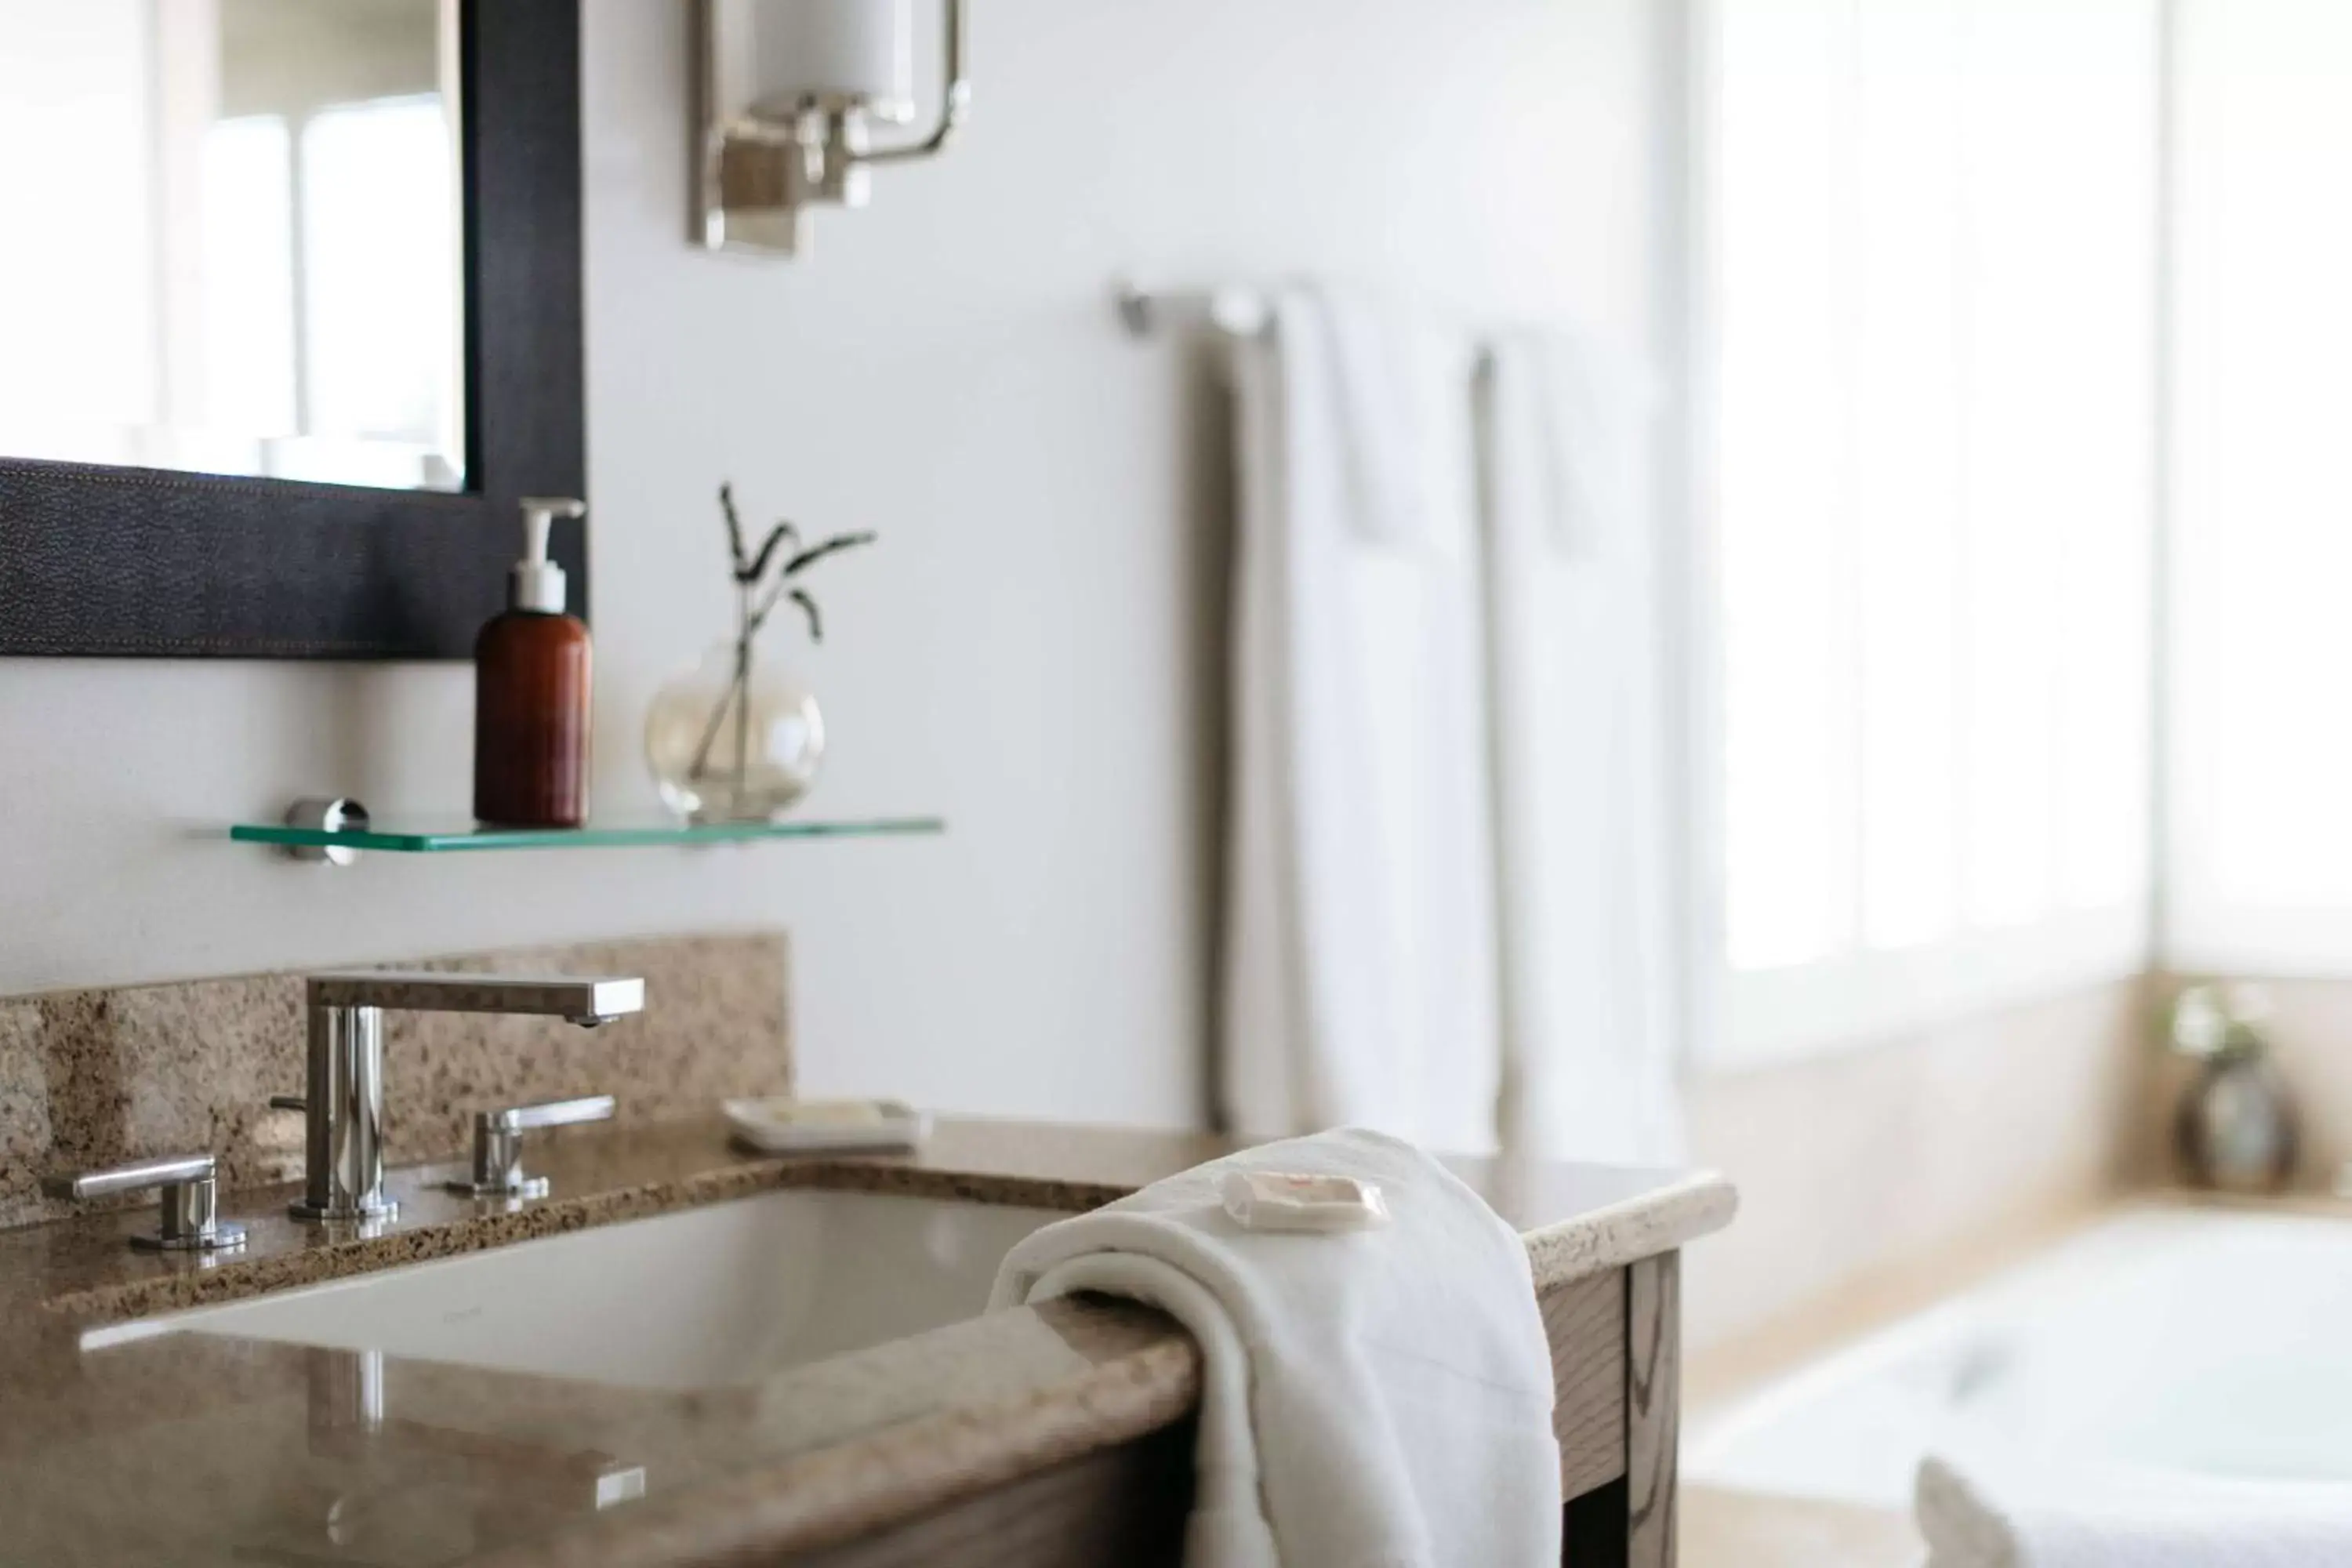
{"points": [[786, 91], [831, 54]]}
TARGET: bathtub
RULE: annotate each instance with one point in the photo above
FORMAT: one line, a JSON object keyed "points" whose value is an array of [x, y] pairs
{"points": [[2167, 1348]]}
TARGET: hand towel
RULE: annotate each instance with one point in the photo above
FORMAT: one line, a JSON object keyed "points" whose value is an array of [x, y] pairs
{"points": [[1356, 982], [1589, 979], [1377, 1399], [2143, 1522]]}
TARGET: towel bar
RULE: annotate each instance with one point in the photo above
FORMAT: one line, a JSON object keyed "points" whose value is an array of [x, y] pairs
{"points": [[1234, 309]]}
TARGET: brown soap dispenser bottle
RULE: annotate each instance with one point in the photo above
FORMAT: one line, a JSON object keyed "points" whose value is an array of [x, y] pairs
{"points": [[531, 674]]}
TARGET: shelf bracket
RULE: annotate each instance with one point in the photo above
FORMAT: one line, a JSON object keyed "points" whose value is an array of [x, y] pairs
{"points": [[326, 813]]}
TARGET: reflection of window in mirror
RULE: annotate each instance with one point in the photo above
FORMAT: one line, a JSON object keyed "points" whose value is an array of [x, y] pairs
{"points": [[248, 256]]}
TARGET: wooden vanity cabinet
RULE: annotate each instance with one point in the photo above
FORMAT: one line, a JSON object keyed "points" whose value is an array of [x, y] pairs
{"points": [[1616, 1346]]}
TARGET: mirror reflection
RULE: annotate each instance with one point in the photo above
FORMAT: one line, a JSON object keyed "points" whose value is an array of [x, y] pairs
{"points": [[250, 262]]}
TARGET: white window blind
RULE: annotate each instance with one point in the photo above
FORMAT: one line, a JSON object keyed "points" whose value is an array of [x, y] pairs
{"points": [[2260, 869], [1932, 268]]}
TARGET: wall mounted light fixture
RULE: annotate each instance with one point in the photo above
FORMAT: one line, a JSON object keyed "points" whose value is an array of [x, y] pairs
{"points": [[786, 94]]}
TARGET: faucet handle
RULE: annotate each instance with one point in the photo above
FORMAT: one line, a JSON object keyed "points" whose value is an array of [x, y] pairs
{"points": [[190, 1218], [498, 1145]]}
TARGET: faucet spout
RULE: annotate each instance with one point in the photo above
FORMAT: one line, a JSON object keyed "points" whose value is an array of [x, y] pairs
{"points": [[580, 999], [343, 1103]]}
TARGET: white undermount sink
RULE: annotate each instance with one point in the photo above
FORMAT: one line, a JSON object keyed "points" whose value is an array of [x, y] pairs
{"points": [[703, 1298]]}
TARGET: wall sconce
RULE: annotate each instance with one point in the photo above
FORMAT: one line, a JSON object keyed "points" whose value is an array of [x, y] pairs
{"points": [[786, 91]]}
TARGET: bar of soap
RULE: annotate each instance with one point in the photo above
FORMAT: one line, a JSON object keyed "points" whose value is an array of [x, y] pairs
{"points": [[783, 1125], [1302, 1201]]}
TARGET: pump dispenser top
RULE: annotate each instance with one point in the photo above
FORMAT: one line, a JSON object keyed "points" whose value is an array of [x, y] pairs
{"points": [[536, 584], [531, 692]]}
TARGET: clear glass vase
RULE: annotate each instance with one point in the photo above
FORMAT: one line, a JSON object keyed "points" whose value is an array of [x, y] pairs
{"points": [[735, 739]]}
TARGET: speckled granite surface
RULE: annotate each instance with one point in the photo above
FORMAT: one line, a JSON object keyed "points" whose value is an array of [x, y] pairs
{"points": [[206, 1450], [94, 1077]]}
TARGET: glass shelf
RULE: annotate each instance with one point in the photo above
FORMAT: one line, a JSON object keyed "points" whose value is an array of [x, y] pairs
{"points": [[445, 840]]}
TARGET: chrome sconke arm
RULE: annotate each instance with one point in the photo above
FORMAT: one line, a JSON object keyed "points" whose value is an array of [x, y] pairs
{"points": [[955, 100], [758, 178]]}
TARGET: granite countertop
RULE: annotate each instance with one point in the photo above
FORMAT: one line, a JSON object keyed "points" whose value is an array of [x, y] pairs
{"points": [[209, 1449]]}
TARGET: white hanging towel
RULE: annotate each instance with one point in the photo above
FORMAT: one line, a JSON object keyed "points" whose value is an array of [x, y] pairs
{"points": [[1584, 875], [1358, 982], [1378, 1398], [2167, 1520]]}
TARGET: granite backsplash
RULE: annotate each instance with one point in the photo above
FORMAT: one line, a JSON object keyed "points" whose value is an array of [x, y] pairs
{"points": [[95, 1078]]}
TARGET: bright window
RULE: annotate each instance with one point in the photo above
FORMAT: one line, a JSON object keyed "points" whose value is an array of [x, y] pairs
{"points": [[1932, 265], [2260, 853], [248, 238], [379, 254]]}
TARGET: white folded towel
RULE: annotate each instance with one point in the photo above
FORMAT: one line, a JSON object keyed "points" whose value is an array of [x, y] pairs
{"points": [[1591, 978], [2143, 1523], [1358, 983], [1394, 379], [1377, 1399]]}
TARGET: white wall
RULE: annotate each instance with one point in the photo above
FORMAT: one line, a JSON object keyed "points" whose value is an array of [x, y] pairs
{"points": [[1030, 651]]}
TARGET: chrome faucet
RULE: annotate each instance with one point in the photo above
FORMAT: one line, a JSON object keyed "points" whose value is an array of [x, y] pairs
{"points": [[343, 1104]]}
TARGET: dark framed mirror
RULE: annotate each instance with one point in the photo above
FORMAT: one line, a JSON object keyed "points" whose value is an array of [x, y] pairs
{"points": [[301, 323]]}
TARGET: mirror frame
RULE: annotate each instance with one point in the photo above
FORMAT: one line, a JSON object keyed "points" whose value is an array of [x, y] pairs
{"points": [[147, 561]]}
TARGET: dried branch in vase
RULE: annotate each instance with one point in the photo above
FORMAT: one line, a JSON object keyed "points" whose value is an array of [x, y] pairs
{"points": [[721, 776]]}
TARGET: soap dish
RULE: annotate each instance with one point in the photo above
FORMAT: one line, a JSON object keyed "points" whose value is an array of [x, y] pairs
{"points": [[1302, 1201], [781, 1124]]}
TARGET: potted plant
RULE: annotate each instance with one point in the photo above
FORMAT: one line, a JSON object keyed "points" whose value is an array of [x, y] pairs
{"points": [[2235, 1128]]}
